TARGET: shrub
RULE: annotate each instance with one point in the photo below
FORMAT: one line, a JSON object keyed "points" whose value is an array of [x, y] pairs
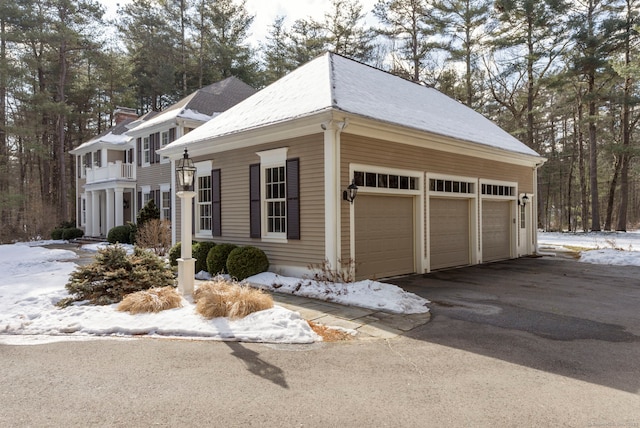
{"points": [[148, 212], [133, 232], [152, 300], [56, 233], [174, 254], [227, 299], [155, 235], [67, 225], [244, 262], [200, 252], [217, 258], [72, 233], [114, 274], [119, 235]]}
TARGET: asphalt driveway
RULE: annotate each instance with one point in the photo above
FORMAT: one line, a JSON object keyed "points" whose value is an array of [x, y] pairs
{"points": [[570, 318]]}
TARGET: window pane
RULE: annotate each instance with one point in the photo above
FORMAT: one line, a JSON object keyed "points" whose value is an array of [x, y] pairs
{"points": [[383, 181], [358, 177], [371, 179], [393, 182], [404, 182]]}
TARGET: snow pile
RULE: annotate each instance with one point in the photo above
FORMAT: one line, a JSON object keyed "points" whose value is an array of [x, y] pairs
{"points": [[365, 294], [33, 282]]}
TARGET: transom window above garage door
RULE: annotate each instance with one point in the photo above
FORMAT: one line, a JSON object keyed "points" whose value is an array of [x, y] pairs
{"points": [[385, 180], [451, 186], [498, 190]]}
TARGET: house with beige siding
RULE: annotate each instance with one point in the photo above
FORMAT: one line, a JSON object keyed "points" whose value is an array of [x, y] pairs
{"points": [[120, 171], [439, 185]]}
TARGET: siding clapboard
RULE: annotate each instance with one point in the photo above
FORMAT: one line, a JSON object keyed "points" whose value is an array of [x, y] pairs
{"points": [[234, 167]]}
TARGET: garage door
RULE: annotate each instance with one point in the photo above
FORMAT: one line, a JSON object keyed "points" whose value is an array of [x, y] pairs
{"points": [[496, 230], [384, 236], [449, 232]]}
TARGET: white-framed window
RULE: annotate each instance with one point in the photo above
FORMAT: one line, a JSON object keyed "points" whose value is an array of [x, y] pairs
{"points": [[165, 139], [275, 199], [97, 159], [273, 193], [146, 151], [165, 202], [203, 209], [83, 210], [146, 195]]}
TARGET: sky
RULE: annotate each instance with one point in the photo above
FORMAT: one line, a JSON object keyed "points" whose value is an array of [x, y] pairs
{"points": [[266, 11], [33, 282]]}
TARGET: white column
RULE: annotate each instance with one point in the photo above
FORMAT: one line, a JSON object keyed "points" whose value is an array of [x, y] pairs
{"points": [[95, 213], [109, 208], [119, 207], [88, 223], [186, 264]]}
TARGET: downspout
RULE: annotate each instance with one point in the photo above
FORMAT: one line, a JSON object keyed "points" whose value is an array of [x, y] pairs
{"points": [[534, 208], [332, 219]]}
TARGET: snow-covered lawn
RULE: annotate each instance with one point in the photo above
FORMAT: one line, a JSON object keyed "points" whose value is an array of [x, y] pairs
{"points": [[610, 248], [33, 280]]}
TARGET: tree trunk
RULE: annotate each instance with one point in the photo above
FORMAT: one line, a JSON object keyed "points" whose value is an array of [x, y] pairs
{"points": [[612, 194]]}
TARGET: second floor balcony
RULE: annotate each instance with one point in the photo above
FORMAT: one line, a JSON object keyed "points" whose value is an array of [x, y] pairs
{"points": [[113, 171]]}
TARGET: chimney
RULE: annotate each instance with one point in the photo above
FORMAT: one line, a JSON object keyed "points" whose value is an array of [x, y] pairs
{"points": [[123, 113]]}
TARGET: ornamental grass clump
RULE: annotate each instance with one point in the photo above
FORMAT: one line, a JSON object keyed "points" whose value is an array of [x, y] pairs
{"points": [[114, 274], [152, 300], [222, 298]]}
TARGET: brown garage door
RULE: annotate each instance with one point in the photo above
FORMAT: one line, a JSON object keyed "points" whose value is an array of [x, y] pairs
{"points": [[384, 236], [449, 232], [496, 230]]}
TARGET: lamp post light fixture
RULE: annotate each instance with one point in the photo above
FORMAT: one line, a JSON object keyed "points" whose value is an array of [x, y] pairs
{"points": [[185, 173], [524, 200], [351, 192]]}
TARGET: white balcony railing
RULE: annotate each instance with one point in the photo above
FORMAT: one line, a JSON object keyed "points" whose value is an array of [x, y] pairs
{"points": [[113, 171]]}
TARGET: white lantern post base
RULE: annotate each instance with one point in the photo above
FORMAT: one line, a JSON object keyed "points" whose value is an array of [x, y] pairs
{"points": [[186, 274]]}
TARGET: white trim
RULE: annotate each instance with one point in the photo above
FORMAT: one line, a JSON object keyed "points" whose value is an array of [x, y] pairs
{"points": [[332, 199], [174, 225], [274, 157]]}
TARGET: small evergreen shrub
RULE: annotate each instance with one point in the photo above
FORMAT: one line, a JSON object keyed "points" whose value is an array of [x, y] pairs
{"points": [[72, 233], [133, 233], [217, 258], [148, 212], [200, 252], [119, 235], [114, 274], [67, 225], [174, 254], [244, 262], [56, 233]]}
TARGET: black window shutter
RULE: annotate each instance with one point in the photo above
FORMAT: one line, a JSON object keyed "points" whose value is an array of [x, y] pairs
{"points": [[193, 216], [293, 198], [139, 202], [216, 205], [157, 147], [172, 134], [79, 219], [254, 201], [139, 150], [157, 198], [170, 213]]}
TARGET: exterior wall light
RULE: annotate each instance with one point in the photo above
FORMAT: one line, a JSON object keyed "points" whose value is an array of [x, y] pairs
{"points": [[524, 200], [185, 171], [351, 192]]}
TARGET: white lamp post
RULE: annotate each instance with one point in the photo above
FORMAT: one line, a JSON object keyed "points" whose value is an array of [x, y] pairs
{"points": [[185, 172]]}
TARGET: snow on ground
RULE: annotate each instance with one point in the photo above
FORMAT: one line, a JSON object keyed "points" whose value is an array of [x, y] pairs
{"points": [[609, 248], [34, 277], [34, 282]]}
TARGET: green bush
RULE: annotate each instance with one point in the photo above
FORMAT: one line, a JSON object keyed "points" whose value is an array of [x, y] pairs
{"points": [[72, 233], [200, 252], [114, 274], [56, 233], [244, 262], [217, 258], [174, 254], [148, 212], [120, 234]]}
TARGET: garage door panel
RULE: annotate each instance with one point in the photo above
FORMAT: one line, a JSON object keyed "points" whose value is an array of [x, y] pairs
{"points": [[449, 232], [384, 236], [496, 230]]}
